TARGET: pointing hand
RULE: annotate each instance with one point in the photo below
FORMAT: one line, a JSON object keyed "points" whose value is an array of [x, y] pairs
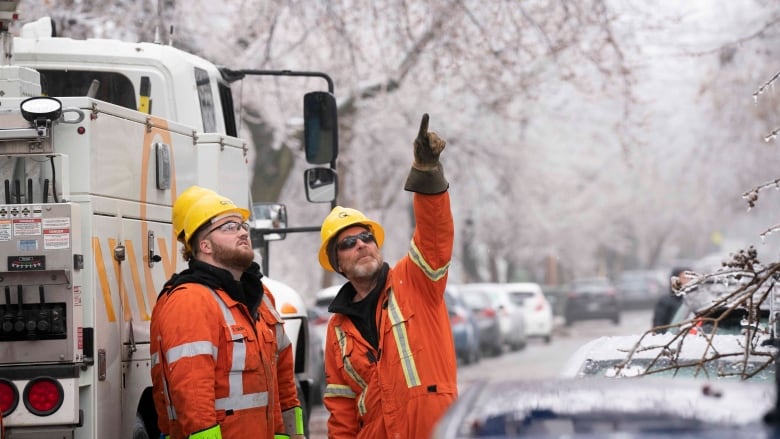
{"points": [[427, 147]]}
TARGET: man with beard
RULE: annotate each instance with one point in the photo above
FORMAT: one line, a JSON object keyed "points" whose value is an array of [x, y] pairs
{"points": [[221, 362], [390, 361]]}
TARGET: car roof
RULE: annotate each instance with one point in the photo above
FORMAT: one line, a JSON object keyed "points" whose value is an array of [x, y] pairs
{"points": [[324, 296], [330, 291], [525, 287], [492, 288]]}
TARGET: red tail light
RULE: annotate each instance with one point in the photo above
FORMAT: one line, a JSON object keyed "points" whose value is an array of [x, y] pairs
{"points": [[489, 312], [457, 319], [9, 397], [540, 304], [321, 320], [43, 396]]}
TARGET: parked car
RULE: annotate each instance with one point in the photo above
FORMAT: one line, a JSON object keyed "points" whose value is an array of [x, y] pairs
{"points": [[294, 313], [491, 340], [641, 288], [609, 408], [511, 317], [324, 296], [322, 300], [317, 351], [592, 298], [714, 298], [537, 311], [318, 326], [465, 329], [668, 355]]}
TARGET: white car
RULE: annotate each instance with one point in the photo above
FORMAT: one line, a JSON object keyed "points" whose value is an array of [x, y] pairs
{"points": [[537, 312], [292, 309], [511, 317], [670, 355]]}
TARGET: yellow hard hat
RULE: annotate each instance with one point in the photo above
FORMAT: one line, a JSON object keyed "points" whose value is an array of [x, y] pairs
{"points": [[206, 209], [338, 219], [182, 205]]}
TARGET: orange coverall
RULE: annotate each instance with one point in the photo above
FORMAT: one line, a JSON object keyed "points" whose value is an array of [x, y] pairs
{"points": [[268, 352], [401, 390]]}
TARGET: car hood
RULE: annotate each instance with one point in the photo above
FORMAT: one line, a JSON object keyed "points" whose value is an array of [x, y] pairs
{"points": [[678, 349], [575, 407]]}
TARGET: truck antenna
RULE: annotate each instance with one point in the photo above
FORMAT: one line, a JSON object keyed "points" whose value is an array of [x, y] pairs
{"points": [[159, 24]]}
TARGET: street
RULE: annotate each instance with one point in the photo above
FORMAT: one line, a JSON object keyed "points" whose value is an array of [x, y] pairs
{"points": [[537, 361]]}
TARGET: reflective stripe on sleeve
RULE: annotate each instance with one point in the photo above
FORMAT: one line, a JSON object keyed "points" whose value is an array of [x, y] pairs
{"points": [[191, 349], [416, 256], [338, 390]]}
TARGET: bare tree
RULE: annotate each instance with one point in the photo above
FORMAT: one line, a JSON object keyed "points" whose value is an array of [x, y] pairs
{"points": [[572, 127]]}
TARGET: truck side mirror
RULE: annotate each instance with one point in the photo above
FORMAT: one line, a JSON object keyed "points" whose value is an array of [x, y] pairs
{"points": [[267, 216], [320, 127], [321, 185]]}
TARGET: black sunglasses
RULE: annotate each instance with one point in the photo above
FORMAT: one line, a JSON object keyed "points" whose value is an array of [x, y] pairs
{"points": [[350, 241]]}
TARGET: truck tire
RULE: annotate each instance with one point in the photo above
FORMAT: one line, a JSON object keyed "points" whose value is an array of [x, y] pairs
{"points": [[139, 428]]}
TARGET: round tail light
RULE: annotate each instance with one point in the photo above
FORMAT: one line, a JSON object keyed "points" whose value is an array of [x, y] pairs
{"points": [[9, 397], [43, 396]]}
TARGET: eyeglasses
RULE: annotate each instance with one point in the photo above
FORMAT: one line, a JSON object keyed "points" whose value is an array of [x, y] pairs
{"points": [[230, 227], [350, 241]]}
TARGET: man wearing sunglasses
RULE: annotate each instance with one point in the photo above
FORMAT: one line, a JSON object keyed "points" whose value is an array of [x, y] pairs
{"points": [[222, 364], [389, 356]]}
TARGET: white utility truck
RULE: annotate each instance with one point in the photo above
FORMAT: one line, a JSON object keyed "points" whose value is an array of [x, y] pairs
{"points": [[97, 138]]}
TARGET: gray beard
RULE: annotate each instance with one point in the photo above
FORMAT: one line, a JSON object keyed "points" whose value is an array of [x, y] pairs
{"points": [[366, 270]]}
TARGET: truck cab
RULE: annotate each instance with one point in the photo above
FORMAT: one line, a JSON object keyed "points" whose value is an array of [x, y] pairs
{"points": [[97, 139]]}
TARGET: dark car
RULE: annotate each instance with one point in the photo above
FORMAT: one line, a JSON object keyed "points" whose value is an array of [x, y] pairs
{"points": [[610, 408], [491, 342], [592, 298], [640, 289], [465, 329], [714, 300]]}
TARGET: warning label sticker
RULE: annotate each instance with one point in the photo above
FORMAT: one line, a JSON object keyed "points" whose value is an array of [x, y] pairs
{"points": [[27, 227], [56, 233], [5, 230]]}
